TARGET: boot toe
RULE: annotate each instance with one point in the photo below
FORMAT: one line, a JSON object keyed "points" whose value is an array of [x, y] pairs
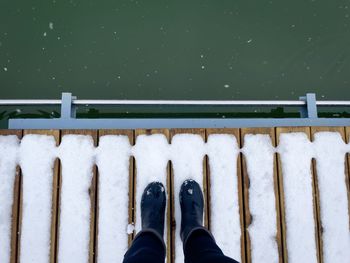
{"points": [[153, 204], [154, 190], [191, 190]]}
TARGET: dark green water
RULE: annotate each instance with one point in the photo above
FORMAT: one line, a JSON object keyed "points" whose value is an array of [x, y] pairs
{"points": [[227, 49]]}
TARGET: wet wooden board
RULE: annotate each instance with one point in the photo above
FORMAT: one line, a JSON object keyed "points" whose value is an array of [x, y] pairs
{"points": [[169, 181], [307, 131], [93, 193], [16, 204], [236, 134], [246, 184]]}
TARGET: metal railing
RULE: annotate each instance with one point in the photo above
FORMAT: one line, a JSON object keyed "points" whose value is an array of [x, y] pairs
{"points": [[307, 104]]}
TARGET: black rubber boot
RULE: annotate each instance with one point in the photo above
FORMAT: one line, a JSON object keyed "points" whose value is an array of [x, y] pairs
{"points": [[153, 209], [192, 203]]}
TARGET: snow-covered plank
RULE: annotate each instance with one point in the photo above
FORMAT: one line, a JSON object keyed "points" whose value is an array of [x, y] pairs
{"points": [[77, 196], [347, 140], [261, 195], [37, 157], [331, 169], [152, 154], [188, 162], [9, 194], [298, 202], [225, 192], [115, 194], [55, 190]]}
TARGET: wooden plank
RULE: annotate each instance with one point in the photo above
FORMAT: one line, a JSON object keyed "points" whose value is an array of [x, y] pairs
{"points": [[342, 131], [55, 190], [307, 131], [236, 133], [93, 192], [16, 203], [200, 132], [131, 220], [170, 201], [246, 185], [347, 140]]}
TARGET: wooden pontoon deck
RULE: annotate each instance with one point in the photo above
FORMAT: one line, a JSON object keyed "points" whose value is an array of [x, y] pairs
{"points": [[243, 190]]}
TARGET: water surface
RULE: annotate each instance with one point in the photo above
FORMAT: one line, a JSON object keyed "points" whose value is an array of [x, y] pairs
{"points": [[199, 49]]}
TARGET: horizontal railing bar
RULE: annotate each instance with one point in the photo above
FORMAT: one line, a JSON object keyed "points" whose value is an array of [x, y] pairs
{"points": [[192, 102], [332, 103], [29, 102], [174, 102]]}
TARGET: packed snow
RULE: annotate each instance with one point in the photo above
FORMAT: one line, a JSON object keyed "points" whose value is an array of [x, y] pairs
{"points": [[296, 153], [112, 159], [9, 146], [222, 153], [36, 155], [259, 155]]}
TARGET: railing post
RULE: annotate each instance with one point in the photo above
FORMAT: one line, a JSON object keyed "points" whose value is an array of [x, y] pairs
{"points": [[68, 110], [310, 109]]}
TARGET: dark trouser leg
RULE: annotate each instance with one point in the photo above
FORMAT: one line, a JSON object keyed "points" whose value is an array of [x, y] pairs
{"points": [[146, 248], [201, 248]]}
